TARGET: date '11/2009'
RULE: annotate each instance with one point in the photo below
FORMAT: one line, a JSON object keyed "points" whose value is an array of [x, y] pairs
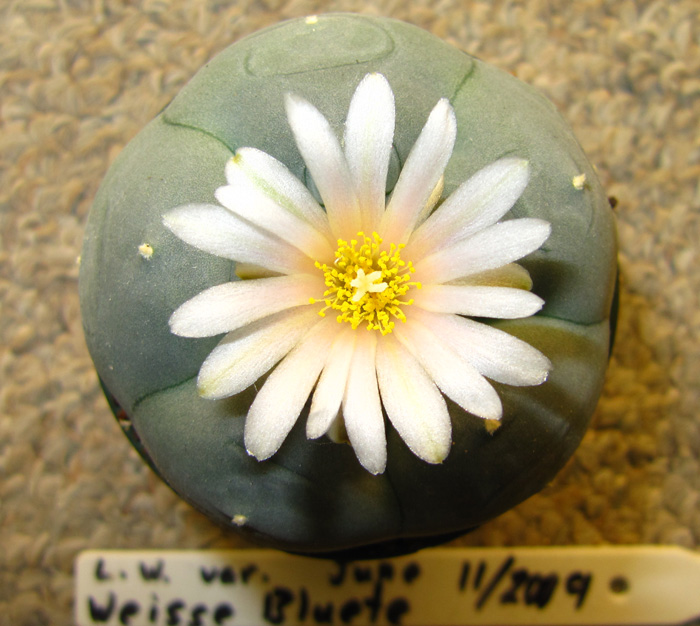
{"points": [[511, 584]]}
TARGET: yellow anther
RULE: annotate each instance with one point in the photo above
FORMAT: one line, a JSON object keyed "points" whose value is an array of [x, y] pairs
{"points": [[366, 284]]}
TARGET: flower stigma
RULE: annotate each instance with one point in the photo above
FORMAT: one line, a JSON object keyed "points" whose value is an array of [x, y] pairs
{"points": [[366, 284]]}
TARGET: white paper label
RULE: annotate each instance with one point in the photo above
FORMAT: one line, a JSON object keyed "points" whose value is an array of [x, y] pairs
{"points": [[449, 587]]}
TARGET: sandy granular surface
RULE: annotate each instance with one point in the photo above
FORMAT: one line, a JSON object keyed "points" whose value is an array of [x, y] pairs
{"points": [[79, 78]]}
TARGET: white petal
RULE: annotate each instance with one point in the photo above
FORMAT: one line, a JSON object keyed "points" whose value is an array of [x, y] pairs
{"points": [[454, 375], [278, 404], [229, 306], [420, 174], [246, 354], [246, 201], [325, 160], [330, 389], [215, 230], [413, 403], [477, 301], [495, 353], [490, 248], [511, 275], [362, 409], [369, 132], [274, 180], [476, 204]]}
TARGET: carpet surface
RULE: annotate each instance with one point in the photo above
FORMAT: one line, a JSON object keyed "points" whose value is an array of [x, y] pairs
{"points": [[79, 78]]}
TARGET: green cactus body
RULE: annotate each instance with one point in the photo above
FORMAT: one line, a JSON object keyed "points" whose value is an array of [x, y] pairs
{"points": [[313, 496]]}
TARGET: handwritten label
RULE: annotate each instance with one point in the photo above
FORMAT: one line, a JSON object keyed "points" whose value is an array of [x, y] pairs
{"points": [[450, 587]]}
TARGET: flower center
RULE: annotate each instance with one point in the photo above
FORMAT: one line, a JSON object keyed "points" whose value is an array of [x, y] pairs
{"points": [[366, 284]]}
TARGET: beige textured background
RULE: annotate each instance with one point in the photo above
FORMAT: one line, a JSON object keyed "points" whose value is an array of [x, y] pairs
{"points": [[79, 78]]}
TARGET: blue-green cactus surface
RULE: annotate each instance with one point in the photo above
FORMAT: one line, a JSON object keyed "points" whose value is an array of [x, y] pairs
{"points": [[313, 495]]}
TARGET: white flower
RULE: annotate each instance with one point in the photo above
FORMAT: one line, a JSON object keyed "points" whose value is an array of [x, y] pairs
{"points": [[366, 304]]}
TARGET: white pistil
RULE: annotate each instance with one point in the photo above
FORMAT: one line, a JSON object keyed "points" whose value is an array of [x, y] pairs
{"points": [[364, 283]]}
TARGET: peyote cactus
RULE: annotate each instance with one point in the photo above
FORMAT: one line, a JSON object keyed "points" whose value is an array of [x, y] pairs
{"points": [[313, 495]]}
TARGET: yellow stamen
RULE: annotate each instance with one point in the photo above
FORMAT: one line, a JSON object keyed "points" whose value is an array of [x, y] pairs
{"points": [[366, 284]]}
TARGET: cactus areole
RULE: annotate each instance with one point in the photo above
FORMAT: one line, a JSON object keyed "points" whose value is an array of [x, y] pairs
{"points": [[351, 291]]}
